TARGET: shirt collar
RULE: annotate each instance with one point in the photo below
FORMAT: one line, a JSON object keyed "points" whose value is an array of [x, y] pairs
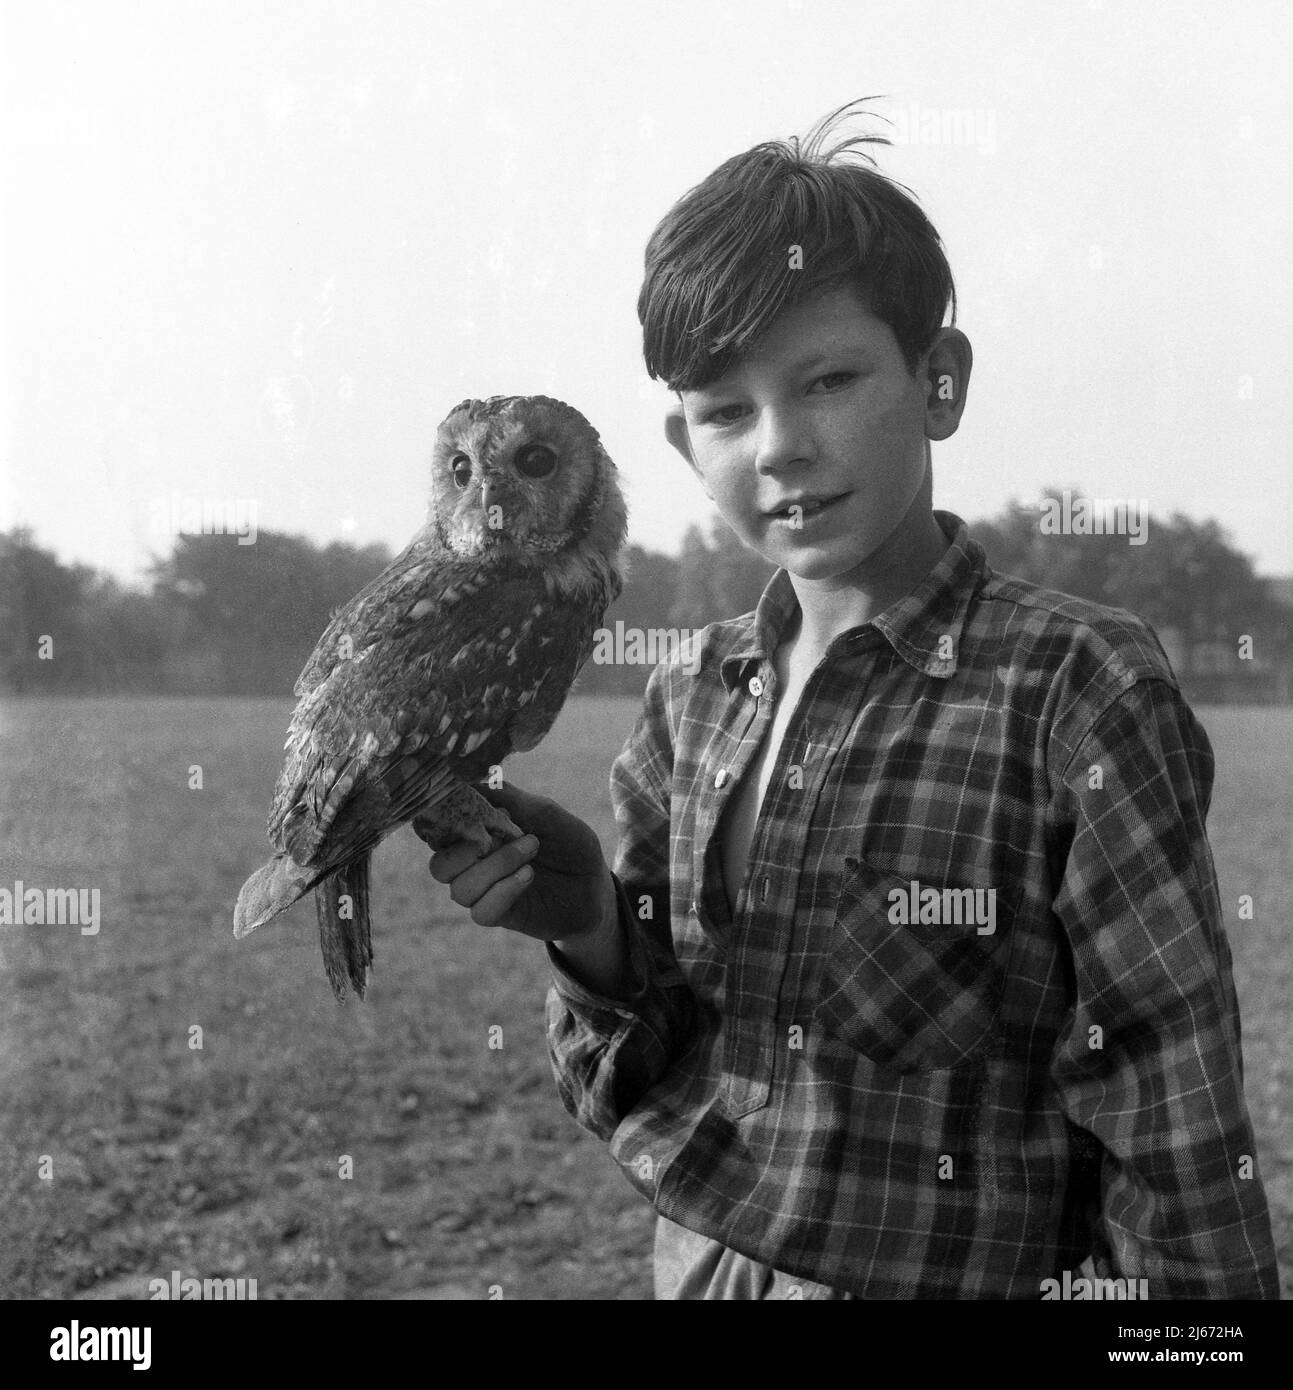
{"points": [[915, 625]]}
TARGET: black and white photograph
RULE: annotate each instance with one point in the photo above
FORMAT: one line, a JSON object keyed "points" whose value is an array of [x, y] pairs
{"points": [[646, 654]]}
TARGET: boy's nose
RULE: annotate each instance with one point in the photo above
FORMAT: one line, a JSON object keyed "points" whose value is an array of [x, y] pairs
{"points": [[784, 442]]}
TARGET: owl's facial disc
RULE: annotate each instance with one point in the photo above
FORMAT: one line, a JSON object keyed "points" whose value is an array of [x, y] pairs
{"points": [[501, 507], [510, 508], [516, 477], [517, 500]]}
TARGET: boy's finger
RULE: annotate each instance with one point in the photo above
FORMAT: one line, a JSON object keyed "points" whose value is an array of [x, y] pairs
{"points": [[446, 864], [475, 881], [497, 901]]}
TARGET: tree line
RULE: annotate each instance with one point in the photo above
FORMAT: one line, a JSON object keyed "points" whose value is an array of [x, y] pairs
{"points": [[217, 618]]}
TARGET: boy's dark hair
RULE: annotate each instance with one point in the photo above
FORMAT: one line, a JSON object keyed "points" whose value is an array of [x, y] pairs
{"points": [[718, 266]]}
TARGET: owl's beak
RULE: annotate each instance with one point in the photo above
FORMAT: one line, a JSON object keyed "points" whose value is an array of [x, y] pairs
{"points": [[493, 494]]}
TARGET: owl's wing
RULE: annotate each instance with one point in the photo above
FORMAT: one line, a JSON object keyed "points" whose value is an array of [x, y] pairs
{"points": [[378, 609], [455, 667]]}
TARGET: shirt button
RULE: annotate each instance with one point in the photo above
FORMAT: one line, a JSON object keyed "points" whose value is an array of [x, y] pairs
{"points": [[756, 687], [720, 777]]}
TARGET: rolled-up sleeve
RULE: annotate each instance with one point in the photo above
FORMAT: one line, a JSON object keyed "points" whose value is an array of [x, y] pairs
{"points": [[607, 1053], [1149, 1063]]}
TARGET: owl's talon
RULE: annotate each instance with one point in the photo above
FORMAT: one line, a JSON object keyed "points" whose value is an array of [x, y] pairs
{"points": [[465, 815], [480, 840]]}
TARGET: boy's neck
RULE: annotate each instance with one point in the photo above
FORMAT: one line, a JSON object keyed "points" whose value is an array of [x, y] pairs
{"points": [[829, 607]]}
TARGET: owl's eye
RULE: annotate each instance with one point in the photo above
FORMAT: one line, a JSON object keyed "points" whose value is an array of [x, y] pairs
{"points": [[534, 461], [461, 466]]}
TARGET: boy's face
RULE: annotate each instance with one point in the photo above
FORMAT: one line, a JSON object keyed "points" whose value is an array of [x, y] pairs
{"points": [[825, 417]]}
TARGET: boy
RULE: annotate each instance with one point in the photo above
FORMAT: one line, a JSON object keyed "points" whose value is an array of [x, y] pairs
{"points": [[911, 979]]}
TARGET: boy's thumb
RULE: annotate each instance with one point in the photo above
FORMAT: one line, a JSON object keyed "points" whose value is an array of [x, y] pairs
{"points": [[522, 806], [560, 833]]}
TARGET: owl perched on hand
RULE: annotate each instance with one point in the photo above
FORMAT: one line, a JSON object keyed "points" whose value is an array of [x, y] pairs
{"points": [[460, 652]]}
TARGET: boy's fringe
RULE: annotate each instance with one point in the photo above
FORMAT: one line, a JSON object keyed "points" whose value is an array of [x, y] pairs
{"points": [[717, 270]]}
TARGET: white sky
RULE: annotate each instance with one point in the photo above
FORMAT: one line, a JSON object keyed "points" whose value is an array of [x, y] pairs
{"points": [[257, 251]]}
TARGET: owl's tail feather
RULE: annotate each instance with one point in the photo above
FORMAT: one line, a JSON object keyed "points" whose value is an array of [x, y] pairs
{"points": [[345, 929], [272, 889]]}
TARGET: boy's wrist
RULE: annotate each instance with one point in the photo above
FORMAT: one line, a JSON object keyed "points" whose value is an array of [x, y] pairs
{"points": [[599, 923], [598, 956]]}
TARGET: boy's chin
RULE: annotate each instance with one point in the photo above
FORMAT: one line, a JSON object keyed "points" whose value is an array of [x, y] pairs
{"points": [[820, 564], [824, 573]]}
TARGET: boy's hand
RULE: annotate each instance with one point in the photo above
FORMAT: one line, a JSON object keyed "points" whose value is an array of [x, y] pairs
{"points": [[552, 885]]}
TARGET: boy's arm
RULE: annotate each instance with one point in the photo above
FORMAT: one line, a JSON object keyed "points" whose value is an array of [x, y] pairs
{"points": [[1149, 1062], [608, 1051]]}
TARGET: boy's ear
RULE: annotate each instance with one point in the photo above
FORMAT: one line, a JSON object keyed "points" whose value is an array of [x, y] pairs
{"points": [[947, 379], [675, 431]]}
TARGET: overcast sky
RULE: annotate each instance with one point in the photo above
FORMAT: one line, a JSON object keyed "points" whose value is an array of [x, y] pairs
{"points": [[257, 251]]}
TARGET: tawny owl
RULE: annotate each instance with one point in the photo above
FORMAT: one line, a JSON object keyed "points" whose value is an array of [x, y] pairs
{"points": [[460, 652]]}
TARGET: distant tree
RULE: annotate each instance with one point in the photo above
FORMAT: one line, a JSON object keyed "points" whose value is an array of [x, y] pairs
{"points": [[41, 598], [1010, 540], [694, 602], [221, 618], [718, 578], [645, 603], [1075, 564], [259, 609], [739, 574], [649, 588], [1187, 576], [129, 637]]}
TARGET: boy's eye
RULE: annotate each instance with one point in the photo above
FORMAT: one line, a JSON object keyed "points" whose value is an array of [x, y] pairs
{"points": [[724, 415], [832, 380]]}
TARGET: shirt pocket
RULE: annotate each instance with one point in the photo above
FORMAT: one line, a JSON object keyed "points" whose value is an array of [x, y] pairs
{"points": [[913, 996]]}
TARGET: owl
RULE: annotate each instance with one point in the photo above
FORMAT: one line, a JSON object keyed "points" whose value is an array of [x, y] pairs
{"points": [[460, 652]]}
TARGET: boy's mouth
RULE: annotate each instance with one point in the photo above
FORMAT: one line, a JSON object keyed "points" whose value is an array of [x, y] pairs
{"points": [[801, 508]]}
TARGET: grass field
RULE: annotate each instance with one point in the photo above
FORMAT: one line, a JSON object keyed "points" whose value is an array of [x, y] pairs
{"points": [[224, 1160]]}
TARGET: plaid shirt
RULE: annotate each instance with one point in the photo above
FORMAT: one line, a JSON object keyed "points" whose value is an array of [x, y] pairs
{"points": [[929, 1109]]}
